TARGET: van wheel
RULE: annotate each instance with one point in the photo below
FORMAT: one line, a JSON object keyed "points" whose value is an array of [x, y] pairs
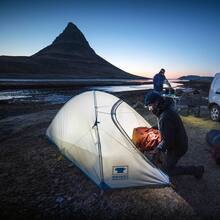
{"points": [[215, 113]]}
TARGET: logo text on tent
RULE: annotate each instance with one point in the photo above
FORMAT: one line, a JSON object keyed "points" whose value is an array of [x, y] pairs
{"points": [[119, 172]]}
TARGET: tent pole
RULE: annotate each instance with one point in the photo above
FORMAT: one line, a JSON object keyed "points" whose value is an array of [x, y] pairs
{"points": [[98, 138]]}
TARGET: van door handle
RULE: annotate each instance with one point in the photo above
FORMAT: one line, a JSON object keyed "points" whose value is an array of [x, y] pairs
{"points": [[217, 92]]}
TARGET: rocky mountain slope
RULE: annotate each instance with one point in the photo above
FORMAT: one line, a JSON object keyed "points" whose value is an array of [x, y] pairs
{"points": [[69, 56]]}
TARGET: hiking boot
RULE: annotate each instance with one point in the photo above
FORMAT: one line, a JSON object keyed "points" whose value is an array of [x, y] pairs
{"points": [[199, 172]]}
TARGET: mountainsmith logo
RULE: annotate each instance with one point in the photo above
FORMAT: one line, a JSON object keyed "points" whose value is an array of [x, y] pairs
{"points": [[119, 172]]}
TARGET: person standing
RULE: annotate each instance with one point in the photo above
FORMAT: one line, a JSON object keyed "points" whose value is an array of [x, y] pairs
{"points": [[173, 135], [160, 79]]}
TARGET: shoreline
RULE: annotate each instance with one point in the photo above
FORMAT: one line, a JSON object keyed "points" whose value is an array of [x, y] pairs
{"points": [[11, 107], [68, 83], [27, 83]]}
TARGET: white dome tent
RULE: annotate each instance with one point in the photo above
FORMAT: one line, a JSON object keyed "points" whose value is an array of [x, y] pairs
{"points": [[94, 130]]}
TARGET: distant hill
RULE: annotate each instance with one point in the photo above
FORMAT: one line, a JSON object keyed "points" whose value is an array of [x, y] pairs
{"points": [[69, 56], [196, 78]]}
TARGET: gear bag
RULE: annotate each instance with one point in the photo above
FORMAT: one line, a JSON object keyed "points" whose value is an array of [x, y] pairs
{"points": [[146, 139]]}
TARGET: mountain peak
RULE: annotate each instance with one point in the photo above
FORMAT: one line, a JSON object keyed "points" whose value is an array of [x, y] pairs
{"points": [[69, 55], [71, 34], [70, 25]]}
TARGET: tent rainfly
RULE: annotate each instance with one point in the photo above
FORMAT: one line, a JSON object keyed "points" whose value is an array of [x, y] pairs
{"points": [[94, 130]]}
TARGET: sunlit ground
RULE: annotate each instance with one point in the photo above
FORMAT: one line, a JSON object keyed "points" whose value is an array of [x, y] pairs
{"points": [[197, 122]]}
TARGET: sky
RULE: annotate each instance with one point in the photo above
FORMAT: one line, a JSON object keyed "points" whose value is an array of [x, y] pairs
{"points": [[138, 36]]}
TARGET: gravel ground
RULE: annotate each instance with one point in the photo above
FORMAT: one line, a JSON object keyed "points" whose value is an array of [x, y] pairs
{"points": [[38, 183]]}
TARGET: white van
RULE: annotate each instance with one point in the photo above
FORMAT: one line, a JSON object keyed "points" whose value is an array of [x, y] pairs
{"points": [[214, 98]]}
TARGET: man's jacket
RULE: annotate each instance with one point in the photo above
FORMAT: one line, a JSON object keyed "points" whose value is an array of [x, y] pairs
{"points": [[173, 134], [158, 82]]}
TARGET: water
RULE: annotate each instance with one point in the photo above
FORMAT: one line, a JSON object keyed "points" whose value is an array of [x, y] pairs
{"points": [[130, 87], [36, 95], [72, 80], [60, 96]]}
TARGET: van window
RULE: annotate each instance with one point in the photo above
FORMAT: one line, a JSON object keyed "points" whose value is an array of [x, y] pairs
{"points": [[216, 84]]}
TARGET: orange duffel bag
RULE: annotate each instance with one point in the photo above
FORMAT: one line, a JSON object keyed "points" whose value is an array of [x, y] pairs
{"points": [[146, 139]]}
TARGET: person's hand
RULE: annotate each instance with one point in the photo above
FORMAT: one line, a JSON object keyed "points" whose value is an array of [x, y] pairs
{"points": [[156, 155], [156, 150]]}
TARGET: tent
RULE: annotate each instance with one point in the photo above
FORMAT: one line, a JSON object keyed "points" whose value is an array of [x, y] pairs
{"points": [[94, 130]]}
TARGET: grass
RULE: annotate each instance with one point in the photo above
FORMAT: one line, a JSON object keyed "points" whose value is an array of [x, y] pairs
{"points": [[204, 123]]}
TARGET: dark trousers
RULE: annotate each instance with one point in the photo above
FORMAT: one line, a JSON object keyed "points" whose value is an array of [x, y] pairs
{"points": [[172, 170]]}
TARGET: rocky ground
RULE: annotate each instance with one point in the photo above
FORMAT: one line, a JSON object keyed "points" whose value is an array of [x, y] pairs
{"points": [[37, 182]]}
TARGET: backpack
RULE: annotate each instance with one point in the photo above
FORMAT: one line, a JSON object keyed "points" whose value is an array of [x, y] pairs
{"points": [[213, 139]]}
